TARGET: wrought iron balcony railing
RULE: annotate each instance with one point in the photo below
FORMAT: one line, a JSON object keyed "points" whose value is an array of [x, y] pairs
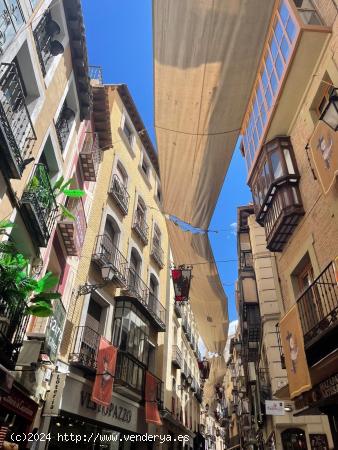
{"points": [[107, 254], [148, 301], [120, 194], [11, 19], [140, 227], [90, 157], [318, 306], [199, 394], [47, 47], [85, 347], [13, 324], [177, 357], [184, 324], [129, 373], [157, 253], [38, 206], [73, 231], [63, 125], [16, 130]]}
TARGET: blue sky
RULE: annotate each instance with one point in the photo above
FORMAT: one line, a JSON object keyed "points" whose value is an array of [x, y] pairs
{"points": [[119, 38]]}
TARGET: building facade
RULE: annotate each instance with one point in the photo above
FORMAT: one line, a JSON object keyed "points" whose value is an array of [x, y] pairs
{"points": [[289, 142], [45, 106]]}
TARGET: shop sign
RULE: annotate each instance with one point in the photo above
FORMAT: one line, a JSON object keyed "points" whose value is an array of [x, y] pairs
{"points": [[54, 330], [54, 396], [77, 400], [20, 404], [274, 408], [329, 387], [318, 442]]}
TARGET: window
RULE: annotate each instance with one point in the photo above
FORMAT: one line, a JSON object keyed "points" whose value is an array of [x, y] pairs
{"points": [[122, 174], [11, 20], [128, 132], [67, 117], [157, 236], [131, 331], [94, 315], [322, 97], [145, 166]]}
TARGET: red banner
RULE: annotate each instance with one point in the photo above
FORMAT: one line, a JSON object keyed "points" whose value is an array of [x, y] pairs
{"points": [[152, 412], [105, 371], [181, 280]]}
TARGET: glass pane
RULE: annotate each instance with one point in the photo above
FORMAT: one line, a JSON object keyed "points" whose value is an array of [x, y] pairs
{"points": [[278, 32], [279, 67], [284, 13], [268, 64], [295, 195], [259, 127], [268, 97], [291, 29], [259, 96], [264, 80], [288, 161], [276, 165], [273, 82], [263, 114], [15, 11], [273, 48], [285, 48]]}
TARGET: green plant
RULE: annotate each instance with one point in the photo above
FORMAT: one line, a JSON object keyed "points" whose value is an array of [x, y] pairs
{"points": [[61, 187], [18, 288]]}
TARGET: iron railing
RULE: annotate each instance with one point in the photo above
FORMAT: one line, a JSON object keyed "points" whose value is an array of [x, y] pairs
{"points": [[13, 324], [265, 384], [44, 41], [63, 125], [120, 194], [17, 131], [177, 356], [107, 254], [140, 226], [95, 73], [85, 347], [280, 347], [318, 305], [11, 19], [90, 156], [138, 289], [129, 372], [157, 253], [39, 206]]}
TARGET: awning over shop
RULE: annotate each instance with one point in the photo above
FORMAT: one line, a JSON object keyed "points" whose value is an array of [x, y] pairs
{"points": [[206, 54], [207, 297]]}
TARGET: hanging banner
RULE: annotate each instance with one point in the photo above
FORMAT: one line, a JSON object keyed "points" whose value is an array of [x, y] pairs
{"points": [[54, 395], [151, 406], [105, 371], [295, 358], [324, 149], [181, 279]]}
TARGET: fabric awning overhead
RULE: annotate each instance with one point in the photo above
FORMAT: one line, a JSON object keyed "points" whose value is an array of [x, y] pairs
{"points": [[206, 54], [207, 298]]}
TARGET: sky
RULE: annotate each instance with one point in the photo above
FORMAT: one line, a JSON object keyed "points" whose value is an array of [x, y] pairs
{"points": [[119, 38]]}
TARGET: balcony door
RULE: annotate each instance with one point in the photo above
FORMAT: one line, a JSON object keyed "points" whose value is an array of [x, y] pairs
{"points": [[294, 439]]}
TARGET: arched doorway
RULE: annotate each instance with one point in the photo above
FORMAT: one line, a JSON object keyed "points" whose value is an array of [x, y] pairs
{"points": [[294, 439]]}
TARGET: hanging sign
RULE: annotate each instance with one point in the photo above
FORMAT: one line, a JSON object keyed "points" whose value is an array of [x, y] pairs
{"points": [[151, 406], [274, 408], [54, 396], [181, 279], [105, 371]]}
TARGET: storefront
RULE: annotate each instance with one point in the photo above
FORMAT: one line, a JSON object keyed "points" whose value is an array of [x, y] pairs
{"points": [[17, 413], [69, 410], [181, 437]]}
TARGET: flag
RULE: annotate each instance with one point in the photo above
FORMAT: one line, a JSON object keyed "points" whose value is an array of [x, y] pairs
{"points": [[105, 371], [152, 412], [294, 352]]}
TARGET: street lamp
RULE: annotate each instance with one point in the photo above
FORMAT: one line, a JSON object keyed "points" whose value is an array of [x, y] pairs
{"points": [[330, 113], [107, 274]]}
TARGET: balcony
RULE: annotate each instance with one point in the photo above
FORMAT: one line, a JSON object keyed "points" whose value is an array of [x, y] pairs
{"points": [[73, 231], [246, 260], [90, 157], [146, 301], [199, 395], [11, 20], [251, 331], [129, 374], [17, 134], [274, 184], [185, 370], [184, 324], [178, 309], [140, 227], [107, 254], [13, 324], [318, 311], [295, 41], [85, 347], [157, 254], [47, 47], [63, 125], [38, 206], [120, 194], [177, 357]]}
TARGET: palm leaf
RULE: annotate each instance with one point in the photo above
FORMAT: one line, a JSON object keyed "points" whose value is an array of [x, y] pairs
{"points": [[75, 193], [67, 213]]}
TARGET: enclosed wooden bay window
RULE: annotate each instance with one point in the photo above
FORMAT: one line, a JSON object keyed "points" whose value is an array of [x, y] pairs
{"points": [[274, 185]]}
